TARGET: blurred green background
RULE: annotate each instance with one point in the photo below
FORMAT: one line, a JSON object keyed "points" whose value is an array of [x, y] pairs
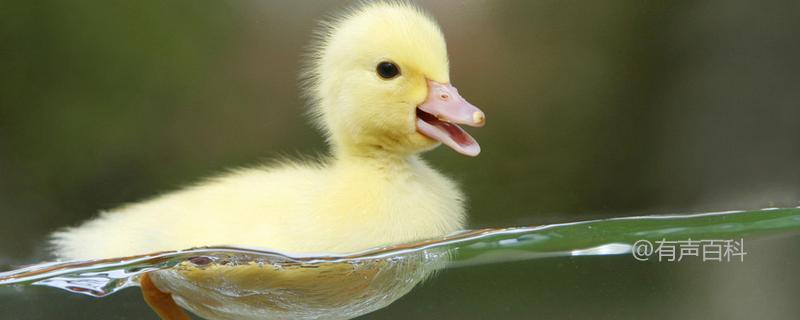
{"points": [[594, 109]]}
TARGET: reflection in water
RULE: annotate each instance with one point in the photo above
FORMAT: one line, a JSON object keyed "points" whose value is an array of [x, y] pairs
{"points": [[243, 283]]}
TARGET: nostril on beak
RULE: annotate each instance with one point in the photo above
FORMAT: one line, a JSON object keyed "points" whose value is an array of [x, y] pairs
{"points": [[444, 96]]}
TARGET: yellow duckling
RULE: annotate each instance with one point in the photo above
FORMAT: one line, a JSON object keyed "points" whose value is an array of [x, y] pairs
{"points": [[380, 87]]}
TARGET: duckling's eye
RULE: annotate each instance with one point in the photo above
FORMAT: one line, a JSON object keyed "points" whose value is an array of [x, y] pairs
{"points": [[388, 70]]}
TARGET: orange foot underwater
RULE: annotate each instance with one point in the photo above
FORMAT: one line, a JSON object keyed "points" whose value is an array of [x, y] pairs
{"points": [[161, 302]]}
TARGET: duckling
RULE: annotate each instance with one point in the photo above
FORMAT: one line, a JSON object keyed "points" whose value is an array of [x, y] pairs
{"points": [[379, 88]]}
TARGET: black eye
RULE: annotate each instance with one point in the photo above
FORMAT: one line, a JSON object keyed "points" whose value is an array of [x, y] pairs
{"points": [[388, 70]]}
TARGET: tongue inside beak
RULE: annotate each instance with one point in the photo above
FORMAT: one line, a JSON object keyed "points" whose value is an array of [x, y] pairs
{"points": [[441, 113]]}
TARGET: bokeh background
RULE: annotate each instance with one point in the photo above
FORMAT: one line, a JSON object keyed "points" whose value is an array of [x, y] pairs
{"points": [[595, 109]]}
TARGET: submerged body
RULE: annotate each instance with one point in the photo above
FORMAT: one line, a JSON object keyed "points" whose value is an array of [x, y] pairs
{"points": [[348, 205]]}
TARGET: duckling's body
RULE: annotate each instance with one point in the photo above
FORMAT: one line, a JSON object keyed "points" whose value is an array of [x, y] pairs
{"points": [[380, 91], [346, 205]]}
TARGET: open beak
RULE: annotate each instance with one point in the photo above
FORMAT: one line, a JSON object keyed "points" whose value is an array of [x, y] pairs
{"points": [[441, 113]]}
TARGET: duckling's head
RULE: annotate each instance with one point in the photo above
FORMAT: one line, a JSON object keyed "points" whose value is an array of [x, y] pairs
{"points": [[380, 81]]}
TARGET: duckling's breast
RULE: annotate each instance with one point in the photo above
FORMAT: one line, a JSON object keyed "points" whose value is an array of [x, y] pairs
{"points": [[365, 207]]}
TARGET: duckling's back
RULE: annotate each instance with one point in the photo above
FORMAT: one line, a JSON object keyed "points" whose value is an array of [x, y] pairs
{"points": [[342, 207]]}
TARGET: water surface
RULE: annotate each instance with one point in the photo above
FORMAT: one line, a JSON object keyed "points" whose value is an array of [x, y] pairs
{"points": [[385, 273]]}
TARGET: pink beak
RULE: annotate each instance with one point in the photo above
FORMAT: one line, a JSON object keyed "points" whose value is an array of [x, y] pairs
{"points": [[440, 114]]}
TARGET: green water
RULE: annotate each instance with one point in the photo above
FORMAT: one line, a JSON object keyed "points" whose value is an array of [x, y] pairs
{"points": [[563, 239], [616, 236]]}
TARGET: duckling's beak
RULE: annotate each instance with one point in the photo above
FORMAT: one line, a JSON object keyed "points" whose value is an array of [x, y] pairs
{"points": [[441, 113]]}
